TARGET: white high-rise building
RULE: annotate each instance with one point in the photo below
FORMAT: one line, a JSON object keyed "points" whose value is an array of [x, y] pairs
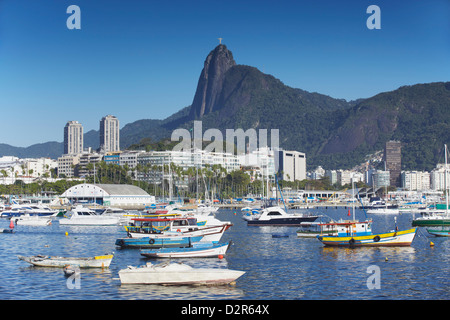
{"points": [[292, 165], [109, 134], [437, 178], [73, 138], [415, 180]]}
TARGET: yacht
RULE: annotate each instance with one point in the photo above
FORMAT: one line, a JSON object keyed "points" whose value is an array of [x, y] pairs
{"points": [[16, 210], [276, 216], [81, 216]]}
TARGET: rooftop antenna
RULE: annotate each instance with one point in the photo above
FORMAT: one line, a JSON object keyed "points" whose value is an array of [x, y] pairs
{"points": [[220, 40]]}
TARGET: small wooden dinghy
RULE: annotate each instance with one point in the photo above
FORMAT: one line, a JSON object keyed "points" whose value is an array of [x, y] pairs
{"points": [[54, 261], [177, 274]]}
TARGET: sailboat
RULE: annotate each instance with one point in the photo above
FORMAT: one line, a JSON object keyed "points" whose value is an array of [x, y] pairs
{"points": [[355, 233], [437, 218], [382, 207]]}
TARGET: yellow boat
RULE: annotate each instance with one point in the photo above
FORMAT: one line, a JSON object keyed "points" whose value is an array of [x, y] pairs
{"points": [[395, 238]]}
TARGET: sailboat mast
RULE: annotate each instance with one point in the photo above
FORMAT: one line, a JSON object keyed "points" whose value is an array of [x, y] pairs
{"points": [[446, 183], [353, 200]]}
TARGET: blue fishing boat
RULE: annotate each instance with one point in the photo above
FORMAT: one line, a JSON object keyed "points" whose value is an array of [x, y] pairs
{"points": [[161, 242], [196, 250]]}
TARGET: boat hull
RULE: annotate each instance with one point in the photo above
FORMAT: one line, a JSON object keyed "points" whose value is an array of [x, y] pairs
{"points": [[209, 233], [53, 261], [400, 238], [89, 222], [35, 221], [439, 233], [294, 221], [156, 243], [430, 222], [383, 211], [203, 251], [178, 276], [314, 234]]}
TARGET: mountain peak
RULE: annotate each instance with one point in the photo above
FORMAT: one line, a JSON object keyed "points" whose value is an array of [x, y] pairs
{"points": [[211, 79]]}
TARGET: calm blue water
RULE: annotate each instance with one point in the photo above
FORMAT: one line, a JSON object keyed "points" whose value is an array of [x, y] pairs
{"points": [[276, 268]]}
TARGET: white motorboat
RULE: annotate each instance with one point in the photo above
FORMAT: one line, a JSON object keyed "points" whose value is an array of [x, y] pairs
{"points": [[31, 220], [177, 274], [81, 216], [16, 210], [40, 210], [121, 214], [276, 216], [383, 211]]}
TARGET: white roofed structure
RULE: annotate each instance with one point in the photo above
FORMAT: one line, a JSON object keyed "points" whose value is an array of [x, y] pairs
{"points": [[117, 195]]}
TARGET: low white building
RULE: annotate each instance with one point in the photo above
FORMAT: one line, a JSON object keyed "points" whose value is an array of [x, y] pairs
{"points": [[114, 195], [38, 167]]}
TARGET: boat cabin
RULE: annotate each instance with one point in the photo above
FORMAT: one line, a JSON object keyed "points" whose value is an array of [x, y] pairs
{"points": [[158, 225], [348, 228]]}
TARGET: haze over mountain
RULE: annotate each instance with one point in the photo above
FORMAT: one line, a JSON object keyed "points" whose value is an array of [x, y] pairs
{"points": [[334, 133]]}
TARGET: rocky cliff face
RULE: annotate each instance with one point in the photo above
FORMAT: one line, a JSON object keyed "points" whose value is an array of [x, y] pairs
{"points": [[211, 80]]}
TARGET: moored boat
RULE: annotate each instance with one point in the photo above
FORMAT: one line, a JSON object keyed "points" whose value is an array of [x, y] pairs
{"points": [[196, 250], [81, 216], [437, 217], [432, 218], [55, 261], [187, 226], [359, 233], [176, 240], [399, 238], [177, 274], [313, 229], [31, 220], [383, 211], [276, 216], [439, 232]]}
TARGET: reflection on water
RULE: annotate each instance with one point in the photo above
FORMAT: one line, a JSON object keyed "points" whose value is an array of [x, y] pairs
{"points": [[276, 268], [138, 292]]}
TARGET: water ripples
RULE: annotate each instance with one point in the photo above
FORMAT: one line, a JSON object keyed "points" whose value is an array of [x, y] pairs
{"points": [[286, 268]]}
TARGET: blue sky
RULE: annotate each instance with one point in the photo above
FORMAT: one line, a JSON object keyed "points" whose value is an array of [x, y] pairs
{"points": [[141, 59]]}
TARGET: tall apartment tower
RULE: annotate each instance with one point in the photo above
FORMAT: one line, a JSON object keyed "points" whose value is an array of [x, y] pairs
{"points": [[73, 138], [393, 158], [291, 164], [109, 134]]}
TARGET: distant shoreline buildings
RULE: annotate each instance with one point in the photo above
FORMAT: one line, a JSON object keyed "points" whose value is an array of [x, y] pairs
{"points": [[73, 161], [259, 164]]}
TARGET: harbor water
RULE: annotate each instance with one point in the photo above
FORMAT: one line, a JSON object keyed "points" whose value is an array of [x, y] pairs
{"points": [[277, 268]]}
